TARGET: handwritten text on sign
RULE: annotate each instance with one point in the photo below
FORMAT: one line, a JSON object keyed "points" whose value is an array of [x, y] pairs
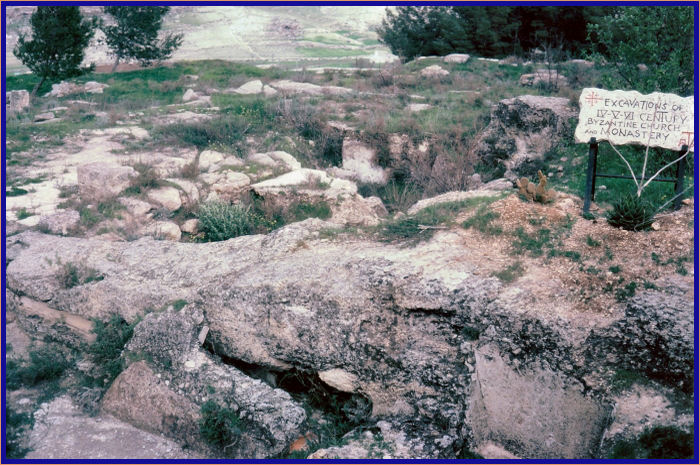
{"points": [[628, 117]]}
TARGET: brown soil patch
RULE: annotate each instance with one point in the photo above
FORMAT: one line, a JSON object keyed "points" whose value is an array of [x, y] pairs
{"points": [[586, 267]]}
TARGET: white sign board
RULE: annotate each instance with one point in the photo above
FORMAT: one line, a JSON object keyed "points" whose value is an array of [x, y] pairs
{"points": [[628, 117]]}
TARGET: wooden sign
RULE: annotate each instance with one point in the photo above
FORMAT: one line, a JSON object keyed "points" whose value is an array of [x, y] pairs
{"points": [[628, 117]]}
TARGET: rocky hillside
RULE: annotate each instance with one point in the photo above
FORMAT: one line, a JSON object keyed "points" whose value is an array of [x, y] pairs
{"points": [[270, 34], [212, 260]]}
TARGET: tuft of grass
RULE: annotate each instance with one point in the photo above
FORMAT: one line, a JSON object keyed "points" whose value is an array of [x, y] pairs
{"points": [[482, 222], [219, 220], [615, 269], [71, 275], [626, 292], [532, 243], [219, 426], [511, 272], [303, 210], [147, 178], [23, 213], [592, 242]]}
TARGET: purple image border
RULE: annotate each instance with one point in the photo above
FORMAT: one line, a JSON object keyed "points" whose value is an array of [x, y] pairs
{"points": [[696, 17]]}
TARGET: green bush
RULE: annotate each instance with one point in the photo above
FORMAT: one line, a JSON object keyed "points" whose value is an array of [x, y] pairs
{"points": [[16, 423], [227, 130], [481, 221], [220, 220], [631, 213], [106, 351], [220, 426], [46, 363]]}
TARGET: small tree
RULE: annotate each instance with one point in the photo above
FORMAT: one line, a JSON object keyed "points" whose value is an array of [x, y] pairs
{"points": [[57, 47], [647, 48], [135, 34]]}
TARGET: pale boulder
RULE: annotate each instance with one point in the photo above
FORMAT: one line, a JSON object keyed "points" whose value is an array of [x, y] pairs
{"points": [[17, 101], [250, 87], [60, 223], [163, 230], [456, 58], [360, 158], [167, 197], [340, 379], [100, 181], [208, 158], [190, 226], [434, 71]]}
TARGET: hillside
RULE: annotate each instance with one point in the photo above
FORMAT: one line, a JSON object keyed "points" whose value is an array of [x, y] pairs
{"points": [[216, 258], [264, 34]]}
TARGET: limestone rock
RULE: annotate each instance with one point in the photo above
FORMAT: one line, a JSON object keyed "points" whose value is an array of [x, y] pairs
{"points": [[434, 71], [190, 226], [188, 188], [544, 77], [298, 178], [135, 206], [208, 158], [189, 95], [167, 197], [60, 223], [269, 91], [46, 116], [418, 326], [339, 379], [274, 159], [361, 159], [140, 398], [163, 230], [292, 87], [358, 211], [230, 183], [16, 101], [65, 88], [250, 87], [62, 432], [522, 129], [100, 181], [456, 58]]}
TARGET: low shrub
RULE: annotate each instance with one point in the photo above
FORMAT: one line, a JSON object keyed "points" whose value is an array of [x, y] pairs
{"points": [[106, 351], [303, 210], [16, 423], [45, 364], [220, 220], [631, 213], [219, 426], [71, 275]]}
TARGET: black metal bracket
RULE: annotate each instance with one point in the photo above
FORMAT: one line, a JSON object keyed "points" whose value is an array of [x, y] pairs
{"points": [[592, 174]]}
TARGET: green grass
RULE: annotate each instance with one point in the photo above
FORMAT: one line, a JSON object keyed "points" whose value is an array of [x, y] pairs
{"points": [[482, 222], [301, 211], [16, 423], [71, 275], [111, 337], [511, 272], [423, 224], [23, 213], [320, 52], [45, 365], [219, 426]]}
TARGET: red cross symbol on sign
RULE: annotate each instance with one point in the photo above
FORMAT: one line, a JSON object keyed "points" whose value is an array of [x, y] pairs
{"points": [[686, 139], [593, 98]]}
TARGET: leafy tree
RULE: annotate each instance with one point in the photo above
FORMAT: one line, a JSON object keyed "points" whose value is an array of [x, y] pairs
{"points": [[647, 48], [486, 30], [57, 47], [135, 34]]}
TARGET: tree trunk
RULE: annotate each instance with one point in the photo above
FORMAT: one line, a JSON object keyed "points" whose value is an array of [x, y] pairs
{"points": [[36, 88], [116, 64]]}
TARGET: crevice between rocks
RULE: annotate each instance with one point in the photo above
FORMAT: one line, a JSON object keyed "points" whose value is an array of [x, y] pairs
{"points": [[331, 413]]}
